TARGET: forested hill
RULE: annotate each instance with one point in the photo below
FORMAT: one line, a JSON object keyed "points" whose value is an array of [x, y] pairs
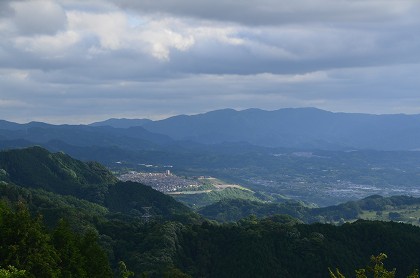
{"points": [[35, 167], [97, 207], [58, 173], [397, 208]]}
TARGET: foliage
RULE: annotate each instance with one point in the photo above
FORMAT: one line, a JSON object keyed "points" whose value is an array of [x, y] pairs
{"points": [[336, 274], [376, 269], [199, 200], [266, 248], [236, 209], [130, 198], [35, 167], [175, 273], [123, 271], [26, 245], [79, 213], [12, 272]]}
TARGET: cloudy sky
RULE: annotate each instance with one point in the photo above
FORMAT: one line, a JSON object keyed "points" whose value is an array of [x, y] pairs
{"points": [[78, 61]]}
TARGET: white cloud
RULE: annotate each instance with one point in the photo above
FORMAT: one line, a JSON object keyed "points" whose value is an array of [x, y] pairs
{"points": [[116, 31], [160, 38], [109, 27], [48, 46]]}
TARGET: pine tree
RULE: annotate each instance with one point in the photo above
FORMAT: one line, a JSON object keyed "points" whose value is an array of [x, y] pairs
{"points": [[67, 245], [95, 259], [26, 245]]}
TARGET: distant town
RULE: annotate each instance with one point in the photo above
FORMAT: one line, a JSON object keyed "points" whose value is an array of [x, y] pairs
{"points": [[169, 183], [164, 182]]}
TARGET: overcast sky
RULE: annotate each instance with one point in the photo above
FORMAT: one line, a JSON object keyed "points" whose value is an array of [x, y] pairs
{"points": [[79, 61]]}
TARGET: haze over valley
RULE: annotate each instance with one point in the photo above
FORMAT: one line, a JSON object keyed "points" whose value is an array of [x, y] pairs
{"points": [[305, 154]]}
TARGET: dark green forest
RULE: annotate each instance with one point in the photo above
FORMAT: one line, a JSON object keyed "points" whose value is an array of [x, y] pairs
{"points": [[29, 247], [60, 217]]}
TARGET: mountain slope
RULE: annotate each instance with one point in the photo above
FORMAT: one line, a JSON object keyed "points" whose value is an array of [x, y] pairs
{"points": [[302, 128], [86, 136], [134, 199], [36, 168], [54, 184], [121, 123], [383, 208], [297, 128]]}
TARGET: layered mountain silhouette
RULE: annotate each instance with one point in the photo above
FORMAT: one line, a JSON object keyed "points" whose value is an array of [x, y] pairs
{"points": [[302, 128], [308, 128]]}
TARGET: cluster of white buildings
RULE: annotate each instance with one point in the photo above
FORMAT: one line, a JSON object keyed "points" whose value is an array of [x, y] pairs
{"points": [[163, 182]]}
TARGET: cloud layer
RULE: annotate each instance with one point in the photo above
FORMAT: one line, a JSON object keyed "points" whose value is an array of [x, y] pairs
{"points": [[71, 61]]}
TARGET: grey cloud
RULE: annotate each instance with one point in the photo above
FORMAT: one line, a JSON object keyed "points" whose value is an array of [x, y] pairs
{"points": [[273, 12], [357, 90], [196, 94], [347, 65], [5, 8], [317, 52], [39, 17]]}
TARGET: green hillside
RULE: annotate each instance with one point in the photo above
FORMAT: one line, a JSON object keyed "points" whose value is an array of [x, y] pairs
{"points": [[28, 250], [35, 167], [273, 247], [90, 198], [38, 189], [130, 198], [396, 208], [236, 209]]}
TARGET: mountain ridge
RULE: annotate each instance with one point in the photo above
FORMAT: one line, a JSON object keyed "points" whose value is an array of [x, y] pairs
{"points": [[295, 128], [299, 128]]}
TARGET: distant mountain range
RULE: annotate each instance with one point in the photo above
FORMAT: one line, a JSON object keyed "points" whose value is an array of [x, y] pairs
{"points": [[307, 128], [300, 128], [133, 138], [122, 123]]}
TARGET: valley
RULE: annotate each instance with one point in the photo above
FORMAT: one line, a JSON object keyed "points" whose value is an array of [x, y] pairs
{"points": [[174, 240], [166, 206], [206, 189], [323, 178]]}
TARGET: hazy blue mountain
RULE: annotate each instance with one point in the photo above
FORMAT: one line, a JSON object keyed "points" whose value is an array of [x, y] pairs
{"points": [[299, 128], [6, 125], [295, 128], [82, 135], [121, 123]]}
